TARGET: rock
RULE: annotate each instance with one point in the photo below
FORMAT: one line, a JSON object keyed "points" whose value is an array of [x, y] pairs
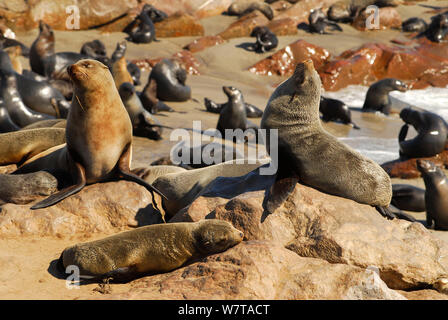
{"points": [[423, 295], [389, 18], [103, 207], [244, 26], [284, 61], [203, 43], [197, 8], [261, 270], [283, 27], [179, 25], [318, 225], [420, 64], [300, 11], [185, 57], [407, 169]]}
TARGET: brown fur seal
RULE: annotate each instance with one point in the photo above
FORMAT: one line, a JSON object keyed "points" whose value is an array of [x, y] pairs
{"points": [[98, 134], [436, 194], [41, 48], [150, 249], [121, 73], [51, 123], [18, 146], [309, 154]]}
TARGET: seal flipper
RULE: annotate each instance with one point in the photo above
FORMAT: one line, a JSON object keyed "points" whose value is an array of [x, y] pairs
{"points": [[280, 190], [389, 214], [64, 193], [121, 275], [403, 133]]}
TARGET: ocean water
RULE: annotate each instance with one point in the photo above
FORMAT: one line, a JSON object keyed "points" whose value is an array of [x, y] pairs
{"points": [[377, 146]]}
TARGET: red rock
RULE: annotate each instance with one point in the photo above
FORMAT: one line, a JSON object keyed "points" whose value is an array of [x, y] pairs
{"points": [[388, 18], [179, 25], [284, 61], [244, 26], [203, 43], [283, 27]]}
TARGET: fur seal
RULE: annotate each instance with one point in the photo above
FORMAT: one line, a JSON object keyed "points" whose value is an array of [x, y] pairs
{"points": [[6, 42], [431, 138], [148, 97], [142, 29], [151, 173], [120, 51], [319, 23], [170, 78], [150, 249], [266, 39], [120, 72], [377, 97], [96, 150], [143, 123], [335, 110], [436, 194], [18, 146], [13, 103], [437, 29], [154, 14], [135, 73], [96, 50], [408, 197], [41, 48], [251, 110], [242, 8], [183, 188], [309, 154], [6, 123], [24, 188], [414, 25], [51, 123], [233, 115]]}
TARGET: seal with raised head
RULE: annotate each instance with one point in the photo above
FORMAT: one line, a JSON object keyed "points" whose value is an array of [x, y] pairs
{"points": [[96, 150], [408, 197], [335, 110], [436, 194], [251, 110], [120, 72], [377, 97], [143, 123], [170, 78], [41, 48], [309, 154], [150, 249], [431, 138]]}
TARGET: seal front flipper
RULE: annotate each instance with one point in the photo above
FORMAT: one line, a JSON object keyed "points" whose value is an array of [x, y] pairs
{"points": [[403, 133], [397, 213], [125, 172], [64, 193], [280, 190]]}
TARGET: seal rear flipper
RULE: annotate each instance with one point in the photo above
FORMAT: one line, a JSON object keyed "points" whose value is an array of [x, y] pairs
{"points": [[280, 190], [121, 275], [64, 193]]}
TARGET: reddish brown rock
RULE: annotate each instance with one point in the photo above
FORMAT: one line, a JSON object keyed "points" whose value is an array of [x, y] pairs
{"points": [[300, 11], [179, 25], [389, 18], [283, 27], [284, 61], [185, 57], [203, 43], [197, 8], [244, 26], [420, 65]]}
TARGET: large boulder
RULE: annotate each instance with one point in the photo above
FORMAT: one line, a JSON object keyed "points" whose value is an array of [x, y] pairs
{"points": [[179, 25], [318, 225], [261, 270]]}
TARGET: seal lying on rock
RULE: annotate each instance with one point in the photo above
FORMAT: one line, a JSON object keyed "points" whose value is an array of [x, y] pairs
{"points": [[436, 194], [431, 138], [150, 249], [99, 135], [309, 154]]}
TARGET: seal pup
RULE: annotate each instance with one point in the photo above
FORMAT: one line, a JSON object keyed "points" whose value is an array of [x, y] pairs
{"points": [[251, 110], [408, 197], [377, 97], [13, 103], [120, 72], [414, 24], [170, 78], [309, 154], [266, 39], [436, 194], [431, 138], [437, 29], [148, 97], [319, 23], [96, 150], [233, 115], [19, 146], [142, 29], [242, 8], [150, 249], [335, 110], [143, 123]]}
